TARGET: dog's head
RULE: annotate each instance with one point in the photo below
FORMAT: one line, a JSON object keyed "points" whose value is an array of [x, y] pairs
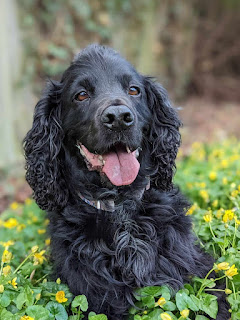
{"points": [[112, 118]]}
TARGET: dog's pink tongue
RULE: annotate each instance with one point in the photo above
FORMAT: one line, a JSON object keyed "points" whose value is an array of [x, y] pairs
{"points": [[121, 167]]}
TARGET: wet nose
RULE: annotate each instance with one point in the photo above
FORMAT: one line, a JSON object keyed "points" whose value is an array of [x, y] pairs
{"points": [[117, 118]]}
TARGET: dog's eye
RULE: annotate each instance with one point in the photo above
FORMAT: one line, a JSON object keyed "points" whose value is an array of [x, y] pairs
{"points": [[134, 91], [82, 95]]}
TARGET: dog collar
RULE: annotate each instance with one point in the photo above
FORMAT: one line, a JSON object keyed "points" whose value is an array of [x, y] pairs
{"points": [[109, 205]]}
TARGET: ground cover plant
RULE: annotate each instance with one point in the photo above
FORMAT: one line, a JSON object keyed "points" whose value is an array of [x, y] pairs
{"points": [[209, 176]]}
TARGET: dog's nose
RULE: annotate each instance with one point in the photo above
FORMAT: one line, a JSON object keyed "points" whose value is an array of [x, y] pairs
{"points": [[117, 118]]}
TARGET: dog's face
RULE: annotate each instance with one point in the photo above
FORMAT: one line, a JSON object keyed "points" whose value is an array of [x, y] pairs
{"points": [[114, 121], [106, 114]]}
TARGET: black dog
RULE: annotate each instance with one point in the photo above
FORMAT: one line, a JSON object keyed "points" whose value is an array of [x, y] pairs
{"points": [[100, 159]]}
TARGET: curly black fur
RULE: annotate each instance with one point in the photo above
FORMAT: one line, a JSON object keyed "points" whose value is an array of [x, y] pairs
{"points": [[147, 240]]}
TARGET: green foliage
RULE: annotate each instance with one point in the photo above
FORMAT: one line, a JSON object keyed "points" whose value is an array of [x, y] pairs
{"points": [[209, 176]]}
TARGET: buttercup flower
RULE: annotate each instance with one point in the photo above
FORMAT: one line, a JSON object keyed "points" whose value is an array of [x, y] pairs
{"points": [[47, 241], [228, 291], [204, 195], [161, 301], [10, 223], [39, 258], [28, 201], [14, 206], [224, 180], [192, 209], [228, 216], [165, 316], [215, 203], [7, 243], [13, 283], [60, 297], [41, 231], [184, 313], [207, 217], [7, 256], [231, 272], [1, 288], [34, 249], [223, 266], [26, 318], [234, 193], [212, 176], [6, 270]]}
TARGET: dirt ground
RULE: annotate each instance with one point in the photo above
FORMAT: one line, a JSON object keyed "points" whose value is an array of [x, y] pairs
{"points": [[203, 120]]}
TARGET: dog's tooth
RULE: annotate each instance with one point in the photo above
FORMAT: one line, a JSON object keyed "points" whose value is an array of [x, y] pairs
{"points": [[137, 153], [128, 150]]}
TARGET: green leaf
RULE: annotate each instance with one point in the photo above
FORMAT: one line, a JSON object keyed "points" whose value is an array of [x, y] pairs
{"points": [[80, 301], [20, 300], [98, 317], [39, 313], [148, 301], [57, 310], [183, 301], [5, 299], [198, 317], [169, 306]]}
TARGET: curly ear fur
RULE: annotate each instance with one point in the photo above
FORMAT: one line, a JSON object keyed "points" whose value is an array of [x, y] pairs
{"points": [[42, 146], [164, 135]]}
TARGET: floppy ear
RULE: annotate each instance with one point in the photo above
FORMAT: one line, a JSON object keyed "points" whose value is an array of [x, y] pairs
{"points": [[42, 146], [164, 135]]}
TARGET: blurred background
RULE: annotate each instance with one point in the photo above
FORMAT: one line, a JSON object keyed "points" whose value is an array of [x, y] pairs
{"points": [[191, 47]]}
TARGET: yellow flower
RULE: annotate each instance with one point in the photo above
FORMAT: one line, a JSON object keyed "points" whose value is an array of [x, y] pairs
{"points": [[236, 220], [28, 201], [14, 206], [6, 270], [223, 266], [7, 256], [207, 217], [224, 180], [224, 164], [234, 193], [39, 258], [204, 194], [161, 301], [10, 223], [38, 296], [34, 249], [192, 209], [41, 231], [220, 213], [20, 227], [60, 297], [58, 281], [212, 176], [228, 216], [165, 316], [184, 313], [231, 272], [7, 243], [34, 219], [228, 291], [13, 283], [26, 318], [1, 288], [215, 203], [46, 222], [47, 241]]}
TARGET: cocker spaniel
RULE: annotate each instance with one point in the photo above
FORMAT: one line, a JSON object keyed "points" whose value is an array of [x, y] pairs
{"points": [[100, 159]]}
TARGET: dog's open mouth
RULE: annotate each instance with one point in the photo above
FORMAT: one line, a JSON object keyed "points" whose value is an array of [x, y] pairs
{"points": [[120, 165]]}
